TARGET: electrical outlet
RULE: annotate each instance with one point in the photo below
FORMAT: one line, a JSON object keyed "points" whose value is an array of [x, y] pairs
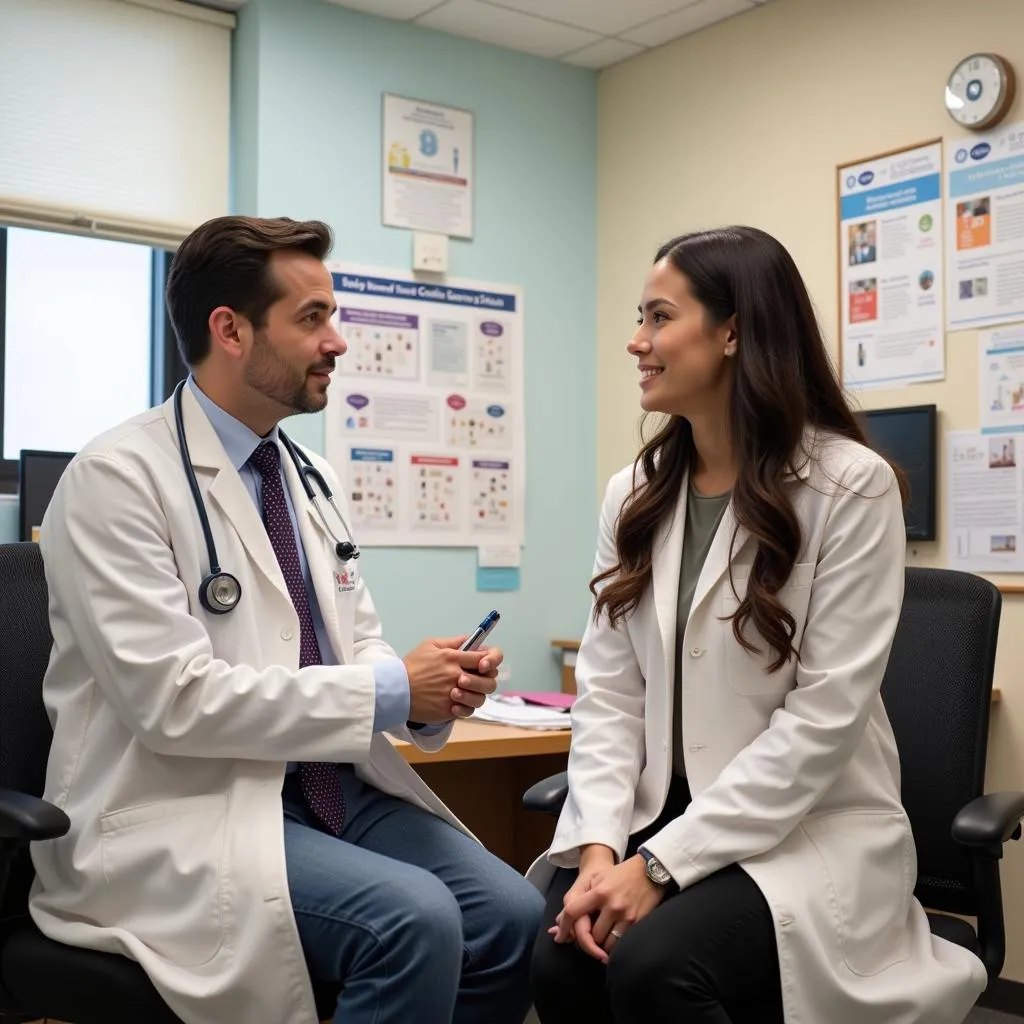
{"points": [[430, 252]]}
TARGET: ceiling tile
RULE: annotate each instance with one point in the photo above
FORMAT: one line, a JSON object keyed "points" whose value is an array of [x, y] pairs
{"points": [[402, 10], [498, 25], [609, 17], [603, 54], [689, 19]]}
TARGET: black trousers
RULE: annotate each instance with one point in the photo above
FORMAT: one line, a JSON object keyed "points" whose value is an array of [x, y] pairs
{"points": [[704, 956]]}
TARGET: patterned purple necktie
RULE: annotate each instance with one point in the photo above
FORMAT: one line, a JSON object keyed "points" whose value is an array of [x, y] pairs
{"points": [[321, 783]]}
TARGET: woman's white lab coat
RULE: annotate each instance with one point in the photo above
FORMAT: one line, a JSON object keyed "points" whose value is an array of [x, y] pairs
{"points": [[795, 774]]}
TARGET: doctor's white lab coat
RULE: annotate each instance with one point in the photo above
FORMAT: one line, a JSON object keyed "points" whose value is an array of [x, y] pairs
{"points": [[794, 775], [172, 727]]}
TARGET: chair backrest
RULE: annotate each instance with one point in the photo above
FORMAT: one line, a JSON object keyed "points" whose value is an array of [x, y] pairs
{"points": [[25, 733], [937, 691]]}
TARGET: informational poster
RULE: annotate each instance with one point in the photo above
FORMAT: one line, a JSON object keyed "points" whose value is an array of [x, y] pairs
{"points": [[1001, 377], [428, 167], [891, 267], [425, 423], [985, 228], [985, 497]]}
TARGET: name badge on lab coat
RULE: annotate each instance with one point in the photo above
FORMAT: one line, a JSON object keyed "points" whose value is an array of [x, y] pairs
{"points": [[345, 580]]}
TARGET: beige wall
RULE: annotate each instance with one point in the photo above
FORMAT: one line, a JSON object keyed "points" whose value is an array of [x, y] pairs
{"points": [[745, 123]]}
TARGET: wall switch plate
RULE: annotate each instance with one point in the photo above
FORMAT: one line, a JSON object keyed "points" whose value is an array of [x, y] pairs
{"points": [[430, 252]]}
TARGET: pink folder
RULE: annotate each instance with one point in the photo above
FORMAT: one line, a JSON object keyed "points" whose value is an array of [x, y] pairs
{"points": [[545, 698]]}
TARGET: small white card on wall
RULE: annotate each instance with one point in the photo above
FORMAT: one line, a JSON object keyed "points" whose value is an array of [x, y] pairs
{"points": [[498, 556]]}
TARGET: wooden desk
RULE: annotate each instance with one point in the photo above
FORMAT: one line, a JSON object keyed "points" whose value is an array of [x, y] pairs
{"points": [[475, 741], [487, 795]]}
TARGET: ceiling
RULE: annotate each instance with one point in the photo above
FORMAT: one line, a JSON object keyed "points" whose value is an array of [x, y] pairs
{"points": [[589, 33]]}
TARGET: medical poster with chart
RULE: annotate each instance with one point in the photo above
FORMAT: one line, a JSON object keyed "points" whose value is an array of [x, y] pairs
{"points": [[1001, 379], [428, 167], [985, 495], [425, 420], [891, 269], [985, 228]]}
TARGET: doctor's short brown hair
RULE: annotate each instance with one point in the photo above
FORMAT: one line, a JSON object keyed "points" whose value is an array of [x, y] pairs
{"points": [[226, 262]]}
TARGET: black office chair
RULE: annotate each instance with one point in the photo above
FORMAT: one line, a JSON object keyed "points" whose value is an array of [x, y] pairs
{"points": [[40, 978], [937, 691]]}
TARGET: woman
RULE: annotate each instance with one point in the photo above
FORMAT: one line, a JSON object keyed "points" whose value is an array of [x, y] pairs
{"points": [[733, 847]]}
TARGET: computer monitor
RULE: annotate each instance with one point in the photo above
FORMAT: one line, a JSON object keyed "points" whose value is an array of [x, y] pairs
{"points": [[38, 473], [907, 436]]}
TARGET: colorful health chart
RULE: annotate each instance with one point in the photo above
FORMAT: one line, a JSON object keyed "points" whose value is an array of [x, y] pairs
{"points": [[425, 419]]}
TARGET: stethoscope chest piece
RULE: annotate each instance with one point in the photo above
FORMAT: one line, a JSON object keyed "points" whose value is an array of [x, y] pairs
{"points": [[219, 593]]}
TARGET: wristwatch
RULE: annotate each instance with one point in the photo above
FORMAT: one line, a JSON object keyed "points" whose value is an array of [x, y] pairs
{"points": [[658, 873]]}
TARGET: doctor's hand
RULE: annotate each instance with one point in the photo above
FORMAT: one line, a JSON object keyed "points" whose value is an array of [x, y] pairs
{"points": [[446, 683], [601, 915]]}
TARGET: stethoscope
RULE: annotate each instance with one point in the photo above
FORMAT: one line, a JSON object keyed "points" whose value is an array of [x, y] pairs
{"points": [[220, 592]]}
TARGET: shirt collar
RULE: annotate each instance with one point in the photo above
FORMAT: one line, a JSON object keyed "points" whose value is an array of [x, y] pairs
{"points": [[238, 440]]}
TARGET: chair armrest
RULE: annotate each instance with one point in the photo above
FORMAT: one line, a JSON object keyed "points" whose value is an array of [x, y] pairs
{"points": [[548, 795], [989, 820], [26, 819]]}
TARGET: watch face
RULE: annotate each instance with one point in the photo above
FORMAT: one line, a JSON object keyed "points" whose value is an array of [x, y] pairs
{"points": [[976, 90], [657, 872]]}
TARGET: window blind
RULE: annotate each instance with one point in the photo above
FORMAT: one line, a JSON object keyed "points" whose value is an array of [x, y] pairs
{"points": [[114, 116]]}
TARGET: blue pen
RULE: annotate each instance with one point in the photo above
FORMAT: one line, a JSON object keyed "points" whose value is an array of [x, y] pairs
{"points": [[481, 632]]}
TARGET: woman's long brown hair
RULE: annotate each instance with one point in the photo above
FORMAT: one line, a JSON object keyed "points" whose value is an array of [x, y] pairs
{"points": [[783, 382]]}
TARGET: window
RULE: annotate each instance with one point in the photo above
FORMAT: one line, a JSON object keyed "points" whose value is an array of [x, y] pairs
{"points": [[84, 342]]}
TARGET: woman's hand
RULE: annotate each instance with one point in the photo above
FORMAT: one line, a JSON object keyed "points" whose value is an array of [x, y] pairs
{"points": [[600, 915], [595, 860]]}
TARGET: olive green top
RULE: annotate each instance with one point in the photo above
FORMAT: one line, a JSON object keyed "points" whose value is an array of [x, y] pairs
{"points": [[703, 514]]}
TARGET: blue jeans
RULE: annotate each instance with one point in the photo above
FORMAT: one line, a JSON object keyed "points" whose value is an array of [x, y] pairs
{"points": [[415, 919]]}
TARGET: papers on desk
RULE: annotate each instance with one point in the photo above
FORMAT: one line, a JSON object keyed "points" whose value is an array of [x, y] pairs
{"points": [[502, 709]]}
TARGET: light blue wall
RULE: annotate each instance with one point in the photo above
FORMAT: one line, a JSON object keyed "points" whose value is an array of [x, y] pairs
{"points": [[308, 82]]}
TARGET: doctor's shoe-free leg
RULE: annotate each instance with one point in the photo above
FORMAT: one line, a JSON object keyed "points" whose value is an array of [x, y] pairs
{"points": [[418, 920], [390, 932], [500, 911]]}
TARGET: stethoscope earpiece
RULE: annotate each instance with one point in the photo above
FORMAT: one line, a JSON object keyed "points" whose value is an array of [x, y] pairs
{"points": [[219, 591]]}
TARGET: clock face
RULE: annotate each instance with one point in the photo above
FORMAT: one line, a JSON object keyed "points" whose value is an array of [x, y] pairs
{"points": [[979, 90]]}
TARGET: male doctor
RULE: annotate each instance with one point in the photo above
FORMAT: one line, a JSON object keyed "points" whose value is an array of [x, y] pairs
{"points": [[239, 820]]}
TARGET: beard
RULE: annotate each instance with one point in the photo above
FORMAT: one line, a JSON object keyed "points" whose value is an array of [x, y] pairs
{"points": [[275, 378]]}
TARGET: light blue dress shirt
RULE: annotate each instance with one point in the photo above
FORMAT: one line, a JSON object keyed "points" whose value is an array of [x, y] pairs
{"points": [[391, 697]]}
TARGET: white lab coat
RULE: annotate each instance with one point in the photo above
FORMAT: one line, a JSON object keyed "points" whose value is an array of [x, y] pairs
{"points": [[172, 727], [794, 775]]}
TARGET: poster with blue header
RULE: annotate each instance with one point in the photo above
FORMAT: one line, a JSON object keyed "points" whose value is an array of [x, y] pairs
{"points": [[425, 424], [891, 269], [985, 228]]}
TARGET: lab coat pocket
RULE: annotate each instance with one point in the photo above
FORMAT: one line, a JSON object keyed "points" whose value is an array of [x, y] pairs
{"points": [[747, 671], [164, 864], [870, 863]]}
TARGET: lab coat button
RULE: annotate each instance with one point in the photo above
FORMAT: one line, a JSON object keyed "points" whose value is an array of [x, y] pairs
{"points": [[286, 633], [696, 652]]}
